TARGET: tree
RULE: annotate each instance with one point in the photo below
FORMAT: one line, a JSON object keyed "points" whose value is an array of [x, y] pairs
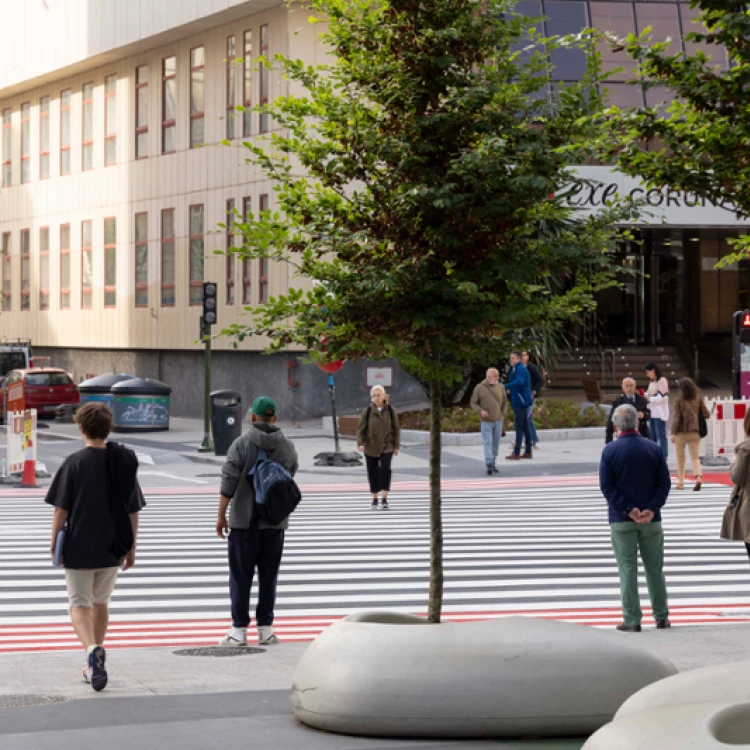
{"points": [[420, 181], [706, 131]]}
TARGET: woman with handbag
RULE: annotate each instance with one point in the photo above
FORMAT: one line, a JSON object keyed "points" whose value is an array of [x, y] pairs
{"points": [[687, 429], [379, 438], [736, 523]]}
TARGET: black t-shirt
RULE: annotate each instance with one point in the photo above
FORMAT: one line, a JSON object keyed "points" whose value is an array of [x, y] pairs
{"points": [[80, 487]]}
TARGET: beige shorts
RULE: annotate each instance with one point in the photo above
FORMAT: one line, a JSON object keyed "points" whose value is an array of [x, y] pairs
{"points": [[87, 587]]}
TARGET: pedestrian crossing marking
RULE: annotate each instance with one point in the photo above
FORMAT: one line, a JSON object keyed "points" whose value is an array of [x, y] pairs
{"points": [[511, 548]]}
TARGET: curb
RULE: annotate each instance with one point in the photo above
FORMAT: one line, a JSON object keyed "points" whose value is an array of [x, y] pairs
{"points": [[198, 458]]}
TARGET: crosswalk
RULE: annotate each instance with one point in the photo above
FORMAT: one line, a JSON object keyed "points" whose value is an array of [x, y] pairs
{"points": [[534, 547]]}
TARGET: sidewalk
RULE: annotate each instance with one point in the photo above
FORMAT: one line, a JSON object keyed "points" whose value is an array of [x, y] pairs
{"points": [[157, 700]]}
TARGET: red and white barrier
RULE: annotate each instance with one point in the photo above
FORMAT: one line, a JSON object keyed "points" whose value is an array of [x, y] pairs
{"points": [[726, 425]]}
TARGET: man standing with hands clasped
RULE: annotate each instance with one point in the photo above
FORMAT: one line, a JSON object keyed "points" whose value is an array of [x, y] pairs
{"points": [[634, 479]]}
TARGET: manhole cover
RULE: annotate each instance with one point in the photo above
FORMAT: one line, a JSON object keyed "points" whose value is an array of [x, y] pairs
{"points": [[22, 701], [220, 651]]}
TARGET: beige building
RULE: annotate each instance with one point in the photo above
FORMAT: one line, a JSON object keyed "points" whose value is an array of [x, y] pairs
{"points": [[114, 179]]}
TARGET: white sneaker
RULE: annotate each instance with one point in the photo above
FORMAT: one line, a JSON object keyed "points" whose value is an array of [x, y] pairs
{"points": [[235, 637], [266, 636]]}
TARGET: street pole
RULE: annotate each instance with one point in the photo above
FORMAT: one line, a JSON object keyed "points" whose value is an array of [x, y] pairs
{"points": [[332, 391], [207, 445]]}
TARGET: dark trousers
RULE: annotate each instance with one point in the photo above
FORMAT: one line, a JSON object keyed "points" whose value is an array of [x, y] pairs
{"points": [[379, 472], [523, 428], [248, 549]]}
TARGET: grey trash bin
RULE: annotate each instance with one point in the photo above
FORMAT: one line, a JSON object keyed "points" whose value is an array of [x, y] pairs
{"points": [[100, 388], [141, 405], [226, 419]]}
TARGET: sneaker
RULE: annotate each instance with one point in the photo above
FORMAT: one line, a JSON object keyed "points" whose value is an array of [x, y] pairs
{"points": [[266, 636], [374, 504], [384, 504], [235, 637], [535, 446], [97, 661], [87, 674]]}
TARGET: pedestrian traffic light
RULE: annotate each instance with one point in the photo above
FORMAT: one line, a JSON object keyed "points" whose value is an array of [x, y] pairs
{"points": [[209, 303], [741, 354]]}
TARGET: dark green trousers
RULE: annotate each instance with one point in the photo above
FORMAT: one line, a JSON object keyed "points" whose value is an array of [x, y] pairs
{"points": [[627, 539]]}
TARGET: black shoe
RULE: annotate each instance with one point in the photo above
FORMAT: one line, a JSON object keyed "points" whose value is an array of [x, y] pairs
{"points": [[495, 470], [374, 504], [663, 624], [384, 504], [625, 628], [490, 470]]}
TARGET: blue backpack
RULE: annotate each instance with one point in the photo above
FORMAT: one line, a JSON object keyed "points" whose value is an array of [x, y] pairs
{"points": [[276, 493]]}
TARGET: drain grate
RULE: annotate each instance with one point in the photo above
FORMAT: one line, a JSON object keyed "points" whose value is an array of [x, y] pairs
{"points": [[220, 651], [27, 701]]}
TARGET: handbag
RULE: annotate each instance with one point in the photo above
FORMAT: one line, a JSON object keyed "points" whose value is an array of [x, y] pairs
{"points": [[702, 424], [731, 524], [59, 546]]}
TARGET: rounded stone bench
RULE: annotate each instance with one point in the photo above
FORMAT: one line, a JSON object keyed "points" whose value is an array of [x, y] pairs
{"points": [[703, 709], [387, 674]]}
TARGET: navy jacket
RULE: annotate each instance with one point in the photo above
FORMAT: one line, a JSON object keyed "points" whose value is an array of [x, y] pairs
{"points": [[633, 474], [519, 385]]}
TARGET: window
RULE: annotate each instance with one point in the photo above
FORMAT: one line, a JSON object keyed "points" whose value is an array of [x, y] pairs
{"points": [[247, 276], [247, 84], [65, 267], [25, 269], [197, 96], [663, 20], [65, 131], [564, 18], [617, 18], [264, 78], [110, 120], [87, 277], [44, 268], [7, 158], [88, 126], [141, 112], [167, 258], [691, 24], [44, 138], [26, 142], [231, 86], [231, 257], [141, 260], [110, 262], [6, 270], [263, 262], [196, 255], [169, 105]]}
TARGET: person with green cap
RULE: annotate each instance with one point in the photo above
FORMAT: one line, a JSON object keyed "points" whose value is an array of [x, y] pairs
{"points": [[252, 543]]}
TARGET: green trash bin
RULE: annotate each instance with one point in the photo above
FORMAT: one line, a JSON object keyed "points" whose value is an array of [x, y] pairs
{"points": [[100, 388], [141, 405]]}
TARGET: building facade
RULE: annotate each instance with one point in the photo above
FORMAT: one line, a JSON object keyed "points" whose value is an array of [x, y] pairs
{"points": [[114, 180]]}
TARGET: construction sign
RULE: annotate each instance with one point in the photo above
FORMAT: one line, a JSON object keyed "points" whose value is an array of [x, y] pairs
{"points": [[21, 439], [16, 397]]}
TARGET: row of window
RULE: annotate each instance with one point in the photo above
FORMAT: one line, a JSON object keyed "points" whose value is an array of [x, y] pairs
{"points": [[169, 83], [196, 256]]}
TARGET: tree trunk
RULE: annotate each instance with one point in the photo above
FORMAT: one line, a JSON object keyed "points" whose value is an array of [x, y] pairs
{"points": [[436, 515]]}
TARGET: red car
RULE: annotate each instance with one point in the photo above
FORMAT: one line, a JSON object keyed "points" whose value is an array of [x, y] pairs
{"points": [[45, 389]]}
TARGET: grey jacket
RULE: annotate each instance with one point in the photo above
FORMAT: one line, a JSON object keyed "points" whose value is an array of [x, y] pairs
{"points": [[240, 459]]}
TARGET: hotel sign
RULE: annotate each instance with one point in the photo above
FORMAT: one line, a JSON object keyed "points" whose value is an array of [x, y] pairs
{"points": [[663, 206]]}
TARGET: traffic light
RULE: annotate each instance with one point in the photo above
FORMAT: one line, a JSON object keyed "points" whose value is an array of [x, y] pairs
{"points": [[209, 303]]}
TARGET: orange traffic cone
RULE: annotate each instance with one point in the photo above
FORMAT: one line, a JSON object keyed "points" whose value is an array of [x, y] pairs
{"points": [[29, 469]]}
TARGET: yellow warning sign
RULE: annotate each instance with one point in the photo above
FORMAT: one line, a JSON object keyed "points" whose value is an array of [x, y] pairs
{"points": [[27, 427]]}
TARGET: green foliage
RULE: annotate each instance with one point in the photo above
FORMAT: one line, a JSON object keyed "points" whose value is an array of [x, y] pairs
{"points": [[552, 414], [706, 130], [418, 179]]}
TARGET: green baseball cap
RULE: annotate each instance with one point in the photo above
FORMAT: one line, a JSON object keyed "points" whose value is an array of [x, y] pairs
{"points": [[264, 406]]}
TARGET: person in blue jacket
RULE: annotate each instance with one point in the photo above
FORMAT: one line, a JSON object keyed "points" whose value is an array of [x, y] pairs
{"points": [[634, 479], [519, 387]]}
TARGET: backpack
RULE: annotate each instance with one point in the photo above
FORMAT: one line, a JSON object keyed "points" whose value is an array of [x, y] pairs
{"points": [[276, 493]]}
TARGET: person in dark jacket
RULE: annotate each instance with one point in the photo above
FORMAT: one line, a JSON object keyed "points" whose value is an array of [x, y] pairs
{"points": [[632, 397], [537, 383], [252, 543], [519, 387], [634, 479], [379, 438]]}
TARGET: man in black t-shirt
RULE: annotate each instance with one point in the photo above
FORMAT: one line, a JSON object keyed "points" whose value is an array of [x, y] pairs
{"points": [[85, 493]]}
